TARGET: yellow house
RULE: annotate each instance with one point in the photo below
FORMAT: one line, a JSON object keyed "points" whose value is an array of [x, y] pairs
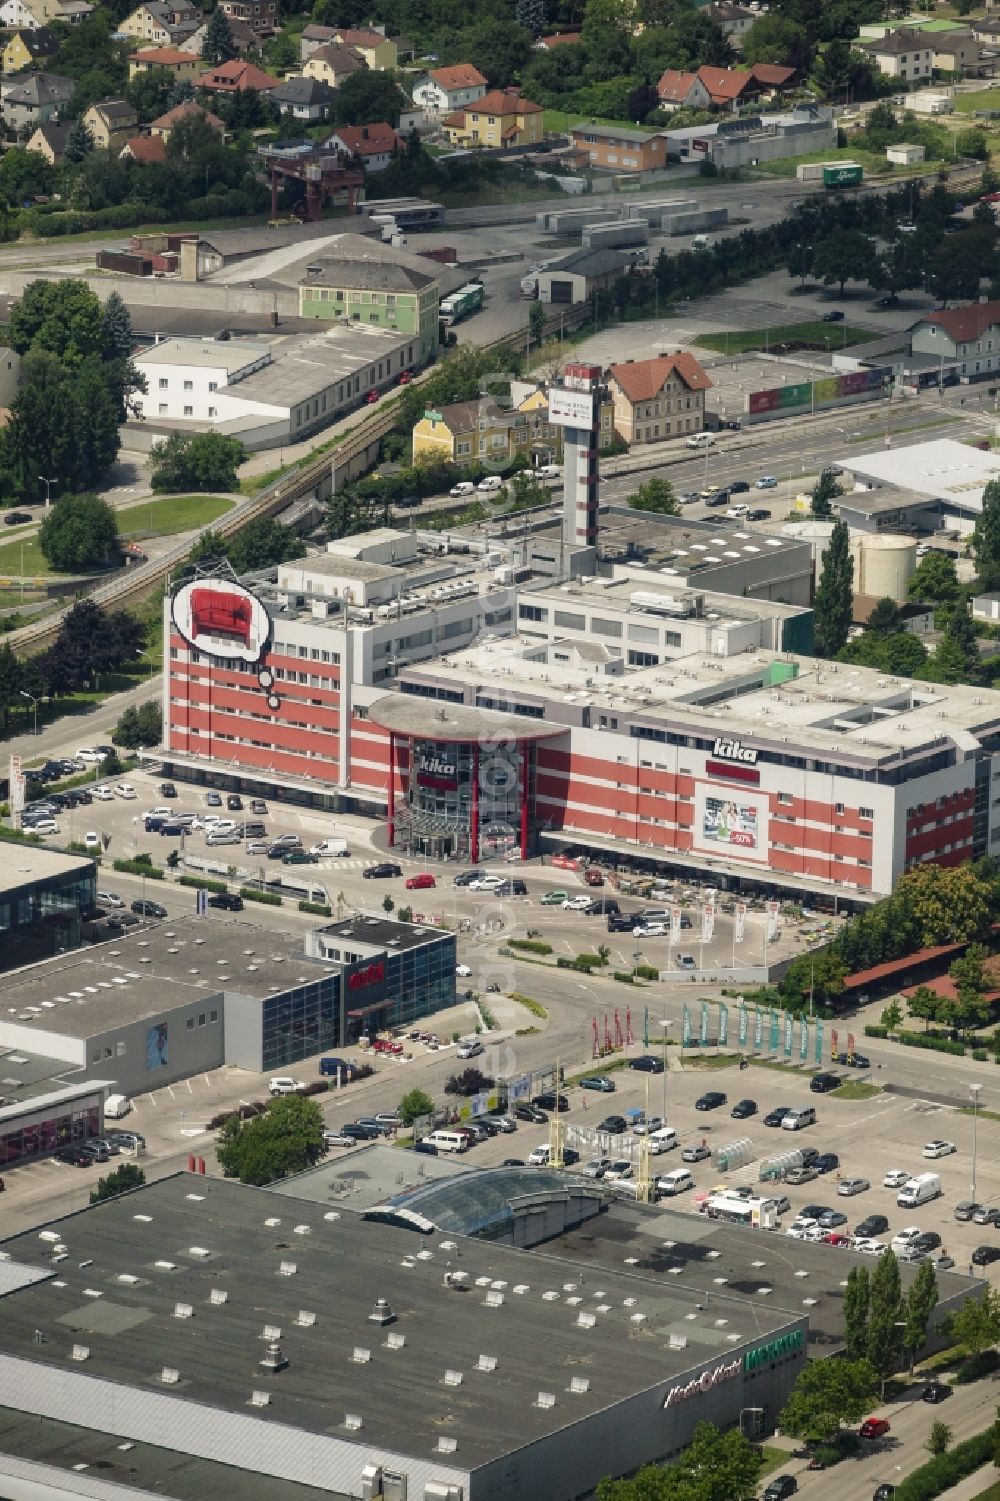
{"points": [[111, 123], [332, 64], [379, 51], [179, 64], [480, 432], [499, 118], [27, 47]]}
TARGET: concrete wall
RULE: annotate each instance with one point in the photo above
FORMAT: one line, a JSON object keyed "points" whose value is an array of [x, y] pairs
{"points": [[188, 1050], [244, 1032]]}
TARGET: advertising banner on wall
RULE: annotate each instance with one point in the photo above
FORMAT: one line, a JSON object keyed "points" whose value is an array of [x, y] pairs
{"points": [[218, 618], [731, 823], [821, 393]]}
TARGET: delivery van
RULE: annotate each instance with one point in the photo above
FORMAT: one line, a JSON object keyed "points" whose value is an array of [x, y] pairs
{"points": [[674, 1182], [919, 1190], [449, 1141]]}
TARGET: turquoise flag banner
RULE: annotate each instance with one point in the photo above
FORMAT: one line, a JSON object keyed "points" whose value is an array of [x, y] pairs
{"points": [[775, 1030], [723, 1025], [758, 1030], [686, 1028], [803, 1039], [744, 1026], [704, 1024], [819, 1042], [789, 1024]]}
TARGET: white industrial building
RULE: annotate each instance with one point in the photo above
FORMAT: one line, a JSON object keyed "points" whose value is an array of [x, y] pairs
{"points": [[944, 470]]}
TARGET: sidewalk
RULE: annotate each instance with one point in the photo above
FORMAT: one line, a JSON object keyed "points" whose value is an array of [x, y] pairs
{"points": [[972, 1486]]}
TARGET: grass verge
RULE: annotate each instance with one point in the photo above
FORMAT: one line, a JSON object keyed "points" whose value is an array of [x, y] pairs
{"points": [[175, 513], [773, 1458], [530, 1004], [25, 559], [855, 1090], [967, 104], [709, 1060], [815, 334]]}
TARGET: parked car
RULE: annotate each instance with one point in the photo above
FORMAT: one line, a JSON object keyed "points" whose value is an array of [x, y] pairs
{"points": [[599, 1082], [547, 1101], [423, 881], [823, 1083], [471, 1049], [966, 1209], [283, 1084], [531, 1113], [553, 898], [984, 1255], [712, 1099], [939, 1149], [75, 1157], [646, 1063], [696, 1153], [148, 909], [766, 482], [596, 1167], [781, 1487], [384, 870], [895, 1178], [801, 1174], [874, 1428], [848, 1187], [613, 1125], [110, 899], [213, 800], [854, 1060], [872, 1224], [743, 1110], [229, 901], [777, 1115], [825, 1162], [234, 802], [935, 1392], [833, 316], [17, 518]]}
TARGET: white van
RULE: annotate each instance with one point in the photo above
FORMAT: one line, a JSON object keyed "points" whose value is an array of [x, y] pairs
{"points": [[698, 440], [700, 242], [919, 1190], [664, 1139], [449, 1141], [805, 1115], [674, 1182], [539, 1157], [464, 487], [116, 1106], [491, 482]]}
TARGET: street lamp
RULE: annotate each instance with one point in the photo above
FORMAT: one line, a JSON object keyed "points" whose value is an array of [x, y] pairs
{"points": [[47, 483], [974, 1090], [34, 706], [664, 1023]]}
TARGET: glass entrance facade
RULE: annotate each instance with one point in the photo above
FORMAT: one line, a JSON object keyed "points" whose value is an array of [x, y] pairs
{"points": [[461, 798]]}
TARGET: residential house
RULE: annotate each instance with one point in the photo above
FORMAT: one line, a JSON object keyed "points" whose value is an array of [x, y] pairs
{"points": [[364, 281], [679, 90], [444, 90], [721, 88], [49, 141], [36, 99], [31, 15], [376, 50], [332, 64], [987, 31], [189, 110], [178, 63], [473, 432], [262, 16], [618, 148], [244, 39], [162, 24], [146, 150], [500, 118], [960, 51], [308, 99], [373, 145], [236, 76], [314, 36], [28, 48], [902, 54], [659, 398], [962, 339], [560, 39], [734, 21], [111, 122]]}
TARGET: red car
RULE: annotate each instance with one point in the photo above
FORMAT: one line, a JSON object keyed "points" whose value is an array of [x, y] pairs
{"points": [[833, 1239], [384, 1045], [422, 882], [405, 376], [372, 397], [565, 862], [593, 878], [874, 1428]]}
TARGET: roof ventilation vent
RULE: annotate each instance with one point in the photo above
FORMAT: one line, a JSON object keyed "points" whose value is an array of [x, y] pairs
{"points": [[271, 1331], [545, 1399], [287, 1268], [218, 1296], [382, 1313], [395, 1341], [586, 1320], [273, 1360], [169, 1376], [457, 1281], [521, 1288], [452, 1378], [304, 1319], [183, 1311], [678, 1342], [579, 1384], [494, 1299], [487, 1363], [361, 1356], [80, 1352], [446, 1445], [352, 1422], [260, 1399]]}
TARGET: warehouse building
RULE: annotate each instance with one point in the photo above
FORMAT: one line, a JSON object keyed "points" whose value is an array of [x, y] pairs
{"points": [[425, 1368], [44, 897]]}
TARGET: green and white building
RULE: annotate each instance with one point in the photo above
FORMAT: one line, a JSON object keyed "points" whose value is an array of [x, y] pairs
{"points": [[374, 285]]}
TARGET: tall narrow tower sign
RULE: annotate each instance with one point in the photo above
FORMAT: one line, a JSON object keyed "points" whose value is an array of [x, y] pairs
{"points": [[575, 406]]}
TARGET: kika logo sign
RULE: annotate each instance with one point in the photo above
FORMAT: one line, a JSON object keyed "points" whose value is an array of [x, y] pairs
{"points": [[733, 750], [219, 618], [371, 975], [703, 1383]]}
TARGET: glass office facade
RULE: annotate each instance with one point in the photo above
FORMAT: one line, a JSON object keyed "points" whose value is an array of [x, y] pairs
{"points": [[418, 982], [300, 1022], [66, 1126], [44, 916]]}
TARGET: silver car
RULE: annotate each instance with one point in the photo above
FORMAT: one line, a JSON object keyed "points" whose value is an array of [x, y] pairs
{"points": [[695, 1154], [596, 1167], [851, 1186]]}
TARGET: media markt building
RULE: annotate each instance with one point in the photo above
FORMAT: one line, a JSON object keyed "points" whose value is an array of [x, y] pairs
{"points": [[745, 1386]]}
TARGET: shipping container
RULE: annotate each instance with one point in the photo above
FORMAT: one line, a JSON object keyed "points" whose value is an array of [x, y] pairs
{"points": [[842, 175]]}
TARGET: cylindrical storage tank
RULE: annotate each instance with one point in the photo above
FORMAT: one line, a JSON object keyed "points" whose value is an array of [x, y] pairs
{"points": [[815, 531], [883, 564]]}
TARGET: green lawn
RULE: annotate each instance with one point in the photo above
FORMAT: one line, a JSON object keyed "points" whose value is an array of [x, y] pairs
{"points": [[560, 120], [22, 558], [991, 1493], [774, 1458], [708, 1060], [178, 513], [818, 335], [874, 165], [967, 104], [855, 1090]]}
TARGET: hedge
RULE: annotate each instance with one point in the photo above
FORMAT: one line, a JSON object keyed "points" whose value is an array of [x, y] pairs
{"points": [[935, 1044], [976, 1367], [139, 868], [321, 909], [19, 836], [873, 1031], [646, 972], [529, 945], [624, 976], [251, 894], [945, 1470], [201, 883]]}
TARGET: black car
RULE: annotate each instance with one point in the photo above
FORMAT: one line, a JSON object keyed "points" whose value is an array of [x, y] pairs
{"points": [[524, 1112], [621, 922], [466, 877], [984, 1255], [743, 1109], [720, 498], [738, 486], [383, 870], [929, 1241], [826, 1162], [280, 848], [602, 905], [229, 901], [854, 1060], [167, 789], [154, 823], [646, 1064], [833, 316], [759, 513], [361, 1131], [613, 1125], [823, 1083], [776, 1116], [95, 1151], [148, 909], [234, 802], [16, 518], [872, 1224], [935, 1392], [884, 1492], [75, 1156], [711, 1100], [173, 829], [781, 1487], [547, 1101]]}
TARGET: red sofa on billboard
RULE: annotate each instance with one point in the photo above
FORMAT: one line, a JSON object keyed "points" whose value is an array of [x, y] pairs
{"points": [[214, 613]]}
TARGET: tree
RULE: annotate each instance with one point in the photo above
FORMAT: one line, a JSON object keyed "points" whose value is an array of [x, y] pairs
{"points": [[884, 619], [79, 532], [655, 495], [938, 1439], [956, 657], [263, 543], [884, 1315], [892, 1016], [536, 321], [121, 1181], [199, 461], [824, 492], [976, 1325], [827, 1394], [79, 142], [856, 1299], [606, 38], [218, 45], [388, 905], [834, 600], [142, 726], [986, 532], [714, 1467], [924, 1004], [414, 1104], [948, 903], [918, 1305], [116, 329], [63, 317], [776, 39], [934, 579], [842, 256], [365, 96], [532, 15], [973, 142], [286, 1139]]}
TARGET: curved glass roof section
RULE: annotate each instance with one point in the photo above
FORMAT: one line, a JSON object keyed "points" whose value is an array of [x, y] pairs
{"points": [[478, 1203]]}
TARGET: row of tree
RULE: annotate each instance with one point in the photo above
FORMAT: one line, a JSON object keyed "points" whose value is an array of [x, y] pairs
{"points": [[91, 643]]}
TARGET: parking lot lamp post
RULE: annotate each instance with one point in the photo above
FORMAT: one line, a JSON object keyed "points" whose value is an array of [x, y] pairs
{"points": [[48, 483], [34, 707], [974, 1090]]}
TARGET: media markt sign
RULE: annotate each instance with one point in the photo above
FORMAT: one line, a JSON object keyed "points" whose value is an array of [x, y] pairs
{"points": [[775, 1349], [702, 1383]]}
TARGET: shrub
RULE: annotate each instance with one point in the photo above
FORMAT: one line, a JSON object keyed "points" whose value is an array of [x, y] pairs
{"points": [[624, 976], [977, 1366], [946, 1470], [470, 1081], [529, 945], [979, 1055], [646, 972], [535, 1007], [872, 1031], [139, 868], [935, 1044], [251, 894], [319, 908], [202, 884]]}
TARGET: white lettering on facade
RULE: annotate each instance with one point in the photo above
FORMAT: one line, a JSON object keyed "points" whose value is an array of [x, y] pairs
{"points": [[702, 1383], [733, 750]]}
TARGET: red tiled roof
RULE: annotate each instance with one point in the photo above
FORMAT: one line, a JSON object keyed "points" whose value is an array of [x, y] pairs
{"points": [[238, 74], [461, 76], [367, 140], [146, 149], [561, 39], [163, 57], [946, 988], [964, 323], [674, 87], [773, 76], [724, 83], [505, 102], [899, 966], [456, 119], [186, 111], [641, 380]]}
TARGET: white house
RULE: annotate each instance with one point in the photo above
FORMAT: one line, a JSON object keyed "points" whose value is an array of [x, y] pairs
{"points": [[447, 89]]}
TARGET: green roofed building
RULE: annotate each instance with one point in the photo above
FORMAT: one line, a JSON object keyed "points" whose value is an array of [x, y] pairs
{"points": [[364, 282]]}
